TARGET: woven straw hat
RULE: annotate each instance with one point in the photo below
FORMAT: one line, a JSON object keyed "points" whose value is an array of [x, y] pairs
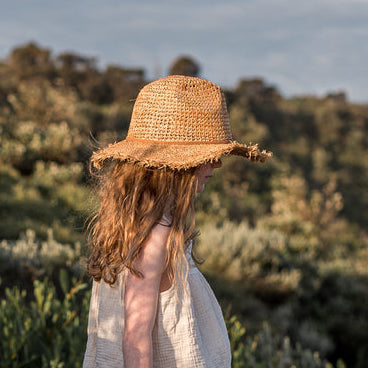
{"points": [[178, 122]]}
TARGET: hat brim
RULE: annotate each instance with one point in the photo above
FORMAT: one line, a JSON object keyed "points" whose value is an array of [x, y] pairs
{"points": [[173, 155]]}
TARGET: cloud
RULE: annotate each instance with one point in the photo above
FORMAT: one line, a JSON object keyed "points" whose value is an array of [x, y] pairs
{"points": [[305, 47]]}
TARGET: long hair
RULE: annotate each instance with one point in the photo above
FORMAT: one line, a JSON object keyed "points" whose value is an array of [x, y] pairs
{"points": [[132, 201]]}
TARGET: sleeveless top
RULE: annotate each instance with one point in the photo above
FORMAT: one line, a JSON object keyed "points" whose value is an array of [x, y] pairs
{"points": [[189, 329]]}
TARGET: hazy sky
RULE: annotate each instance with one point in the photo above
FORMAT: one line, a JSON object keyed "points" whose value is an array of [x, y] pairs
{"points": [[301, 47]]}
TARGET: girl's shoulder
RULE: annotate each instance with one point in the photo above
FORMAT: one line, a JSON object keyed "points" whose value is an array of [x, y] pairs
{"points": [[160, 232]]}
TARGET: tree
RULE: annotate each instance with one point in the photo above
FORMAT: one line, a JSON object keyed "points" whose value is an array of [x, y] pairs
{"points": [[125, 83], [185, 65], [30, 60]]}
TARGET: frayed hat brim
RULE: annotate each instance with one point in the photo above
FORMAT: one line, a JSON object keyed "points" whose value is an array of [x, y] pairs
{"points": [[174, 155]]}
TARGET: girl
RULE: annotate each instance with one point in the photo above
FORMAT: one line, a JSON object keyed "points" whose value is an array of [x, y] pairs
{"points": [[150, 305]]}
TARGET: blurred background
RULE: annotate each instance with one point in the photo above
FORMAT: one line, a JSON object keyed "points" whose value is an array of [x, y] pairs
{"points": [[285, 243]]}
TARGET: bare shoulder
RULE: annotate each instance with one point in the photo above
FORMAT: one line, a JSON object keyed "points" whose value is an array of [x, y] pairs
{"points": [[155, 245], [153, 257], [160, 233]]}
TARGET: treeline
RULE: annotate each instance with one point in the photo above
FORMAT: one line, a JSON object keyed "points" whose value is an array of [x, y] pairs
{"points": [[285, 243]]}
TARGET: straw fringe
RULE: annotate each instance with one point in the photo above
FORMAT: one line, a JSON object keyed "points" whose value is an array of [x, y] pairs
{"points": [[181, 161]]}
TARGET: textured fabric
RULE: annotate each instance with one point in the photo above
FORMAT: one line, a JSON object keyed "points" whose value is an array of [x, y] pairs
{"points": [[189, 330]]}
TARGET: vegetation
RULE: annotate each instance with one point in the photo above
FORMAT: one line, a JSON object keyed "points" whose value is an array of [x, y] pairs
{"points": [[285, 243], [50, 331]]}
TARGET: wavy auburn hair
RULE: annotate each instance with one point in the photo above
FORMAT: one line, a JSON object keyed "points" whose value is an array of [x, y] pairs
{"points": [[132, 201]]}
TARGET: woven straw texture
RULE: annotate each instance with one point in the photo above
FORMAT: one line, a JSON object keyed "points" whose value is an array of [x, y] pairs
{"points": [[178, 122]]}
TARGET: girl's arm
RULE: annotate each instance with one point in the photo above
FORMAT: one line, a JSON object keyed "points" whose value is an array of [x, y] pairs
{"points": [[141, 296]]}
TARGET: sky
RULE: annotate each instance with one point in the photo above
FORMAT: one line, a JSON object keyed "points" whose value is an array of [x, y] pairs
{"points": [[299, 47]]}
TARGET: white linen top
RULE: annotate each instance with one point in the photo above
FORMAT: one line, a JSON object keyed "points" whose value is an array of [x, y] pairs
{"points": [[189, 330]]}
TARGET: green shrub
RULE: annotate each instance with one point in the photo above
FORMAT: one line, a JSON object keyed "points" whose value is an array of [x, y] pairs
{"points": [[50, 332], [266, 350], [30, 258], [53, 195], [254, 256], [47, 331], [320, 302]]}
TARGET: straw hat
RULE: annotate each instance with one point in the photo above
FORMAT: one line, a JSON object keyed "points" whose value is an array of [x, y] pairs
{"points": [[178, 122]]}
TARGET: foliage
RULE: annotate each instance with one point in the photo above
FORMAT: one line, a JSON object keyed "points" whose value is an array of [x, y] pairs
{"points": [[265, 350], [51, 332], [185, 65], [284, 242], [29, 258], [320, 302], [47, 332], [53, 196], [254, 257]]}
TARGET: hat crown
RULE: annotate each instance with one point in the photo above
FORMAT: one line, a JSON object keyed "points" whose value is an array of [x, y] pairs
{"points": [[180, 109]]}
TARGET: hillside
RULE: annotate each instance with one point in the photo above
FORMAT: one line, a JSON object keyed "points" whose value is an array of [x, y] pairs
{"points": [[285, 243]]}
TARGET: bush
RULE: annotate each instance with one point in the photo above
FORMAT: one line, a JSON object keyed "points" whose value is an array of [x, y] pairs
{"points": [[29, 258], [47, 332], [265, 350], [50, 332], [320, 302]]}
